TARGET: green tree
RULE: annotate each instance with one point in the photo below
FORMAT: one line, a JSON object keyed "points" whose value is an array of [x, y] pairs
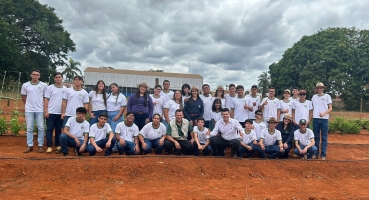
{"points": [[264, 82], [31, 36], [338, 57], [71, 70]]}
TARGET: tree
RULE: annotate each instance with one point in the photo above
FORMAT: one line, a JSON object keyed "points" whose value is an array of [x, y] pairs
{"points": [[31, 36], [264, 82], [71, 70], [338, 57]]}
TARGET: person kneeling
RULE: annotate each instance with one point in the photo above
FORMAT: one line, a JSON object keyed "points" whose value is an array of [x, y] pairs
{"points": [[126, 134], [201, 137], [75, 133], [249, 143], [177, 132], [304, 141], [98, 139], [268, 139], [152, 135]]}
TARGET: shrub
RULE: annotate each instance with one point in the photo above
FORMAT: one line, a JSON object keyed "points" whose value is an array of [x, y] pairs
{"points": [[350, 126], [15, 114], [15, 127], [365, 124], [3, 126]]}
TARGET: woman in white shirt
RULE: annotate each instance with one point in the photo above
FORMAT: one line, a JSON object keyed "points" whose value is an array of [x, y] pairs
{"points": [[116, 104], [172, 105], [216, 110], [152, 135], [185, 93], [97, 103], [219, 94]]}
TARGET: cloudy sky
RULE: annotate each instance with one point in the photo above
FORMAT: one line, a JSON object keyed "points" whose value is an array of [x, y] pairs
{"points": [[231, 41]]}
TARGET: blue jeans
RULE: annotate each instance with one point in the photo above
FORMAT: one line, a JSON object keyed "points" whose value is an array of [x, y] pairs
{"points": [[249, 154], [272, 150], [65, 120], [321, 125], [96, 114], [53, 122], [128, 148], [111, 115], [205, 151], [164, 122], [30, 122], [66, 141], [310, 152], [102, 144], [140, 120], [153, 144]]}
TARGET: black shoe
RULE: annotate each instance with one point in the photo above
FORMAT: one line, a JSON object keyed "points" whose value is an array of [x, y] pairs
{"points": [[77, 152]]}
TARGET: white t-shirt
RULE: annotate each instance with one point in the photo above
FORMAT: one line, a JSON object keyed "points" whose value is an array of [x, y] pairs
{"points": [[270, 110], [293, 99], [125, 132], [114, 104], [223, 104], [284, 106], [258, 127], [216, 116], [167, 96], [201, 135], [270, 139], [183, 99], [97, 101], [249, 138], [55, 96], [320, 104], [229, 98], [76, 128], [228, 131], [35, 96], [160, 103], [172, 106], [75, 99], [99, 133], [304, 138], [256, 107], [208, 103], [302, 110], [151, 133], [240, 113]]}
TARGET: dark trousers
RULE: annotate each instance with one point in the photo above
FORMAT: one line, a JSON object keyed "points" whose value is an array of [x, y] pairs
{"points": [[140, 120], [205, 151], [186, 146], [53, 122], [102, 144], [218, 143]]}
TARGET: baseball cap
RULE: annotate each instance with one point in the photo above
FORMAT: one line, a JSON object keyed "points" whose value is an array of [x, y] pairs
{"points": [[302, 121]]}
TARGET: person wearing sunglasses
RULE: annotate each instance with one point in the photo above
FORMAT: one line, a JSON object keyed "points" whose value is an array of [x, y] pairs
{"points": [[258, 124], [302, 109], [287, 129]]}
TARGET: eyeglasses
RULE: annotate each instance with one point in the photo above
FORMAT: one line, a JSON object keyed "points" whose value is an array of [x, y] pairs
{"points": [[303, 94], [261, 114]]}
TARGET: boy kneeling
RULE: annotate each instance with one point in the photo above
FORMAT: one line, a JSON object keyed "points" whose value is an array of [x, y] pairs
{"points": [[98, 139], [304, 141], [249, 143]]}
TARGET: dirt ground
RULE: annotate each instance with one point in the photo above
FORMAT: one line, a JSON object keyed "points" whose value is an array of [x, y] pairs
{"points": [[344, 175]]}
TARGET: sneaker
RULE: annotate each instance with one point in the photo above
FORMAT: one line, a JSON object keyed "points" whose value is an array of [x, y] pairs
{"points": [[57, 148], [294, 156], [29, 149], [304, 157], [323, 158], [65, 154], [58, 151], [40, 150], [49, 150], [314, 157], [77, 153]]}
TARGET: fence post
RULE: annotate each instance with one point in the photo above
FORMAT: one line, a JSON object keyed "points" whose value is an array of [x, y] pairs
{"points": [[361, 106]]}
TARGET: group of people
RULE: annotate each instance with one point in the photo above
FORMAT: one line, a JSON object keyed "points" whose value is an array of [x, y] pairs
{"points": [[179, 122]]}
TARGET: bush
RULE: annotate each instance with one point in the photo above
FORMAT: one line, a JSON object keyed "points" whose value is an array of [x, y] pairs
{"points": [[3, 126], [15, 127], [350, 126], [365, 124]]}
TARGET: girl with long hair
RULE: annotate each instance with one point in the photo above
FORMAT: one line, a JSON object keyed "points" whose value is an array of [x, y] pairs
{"points": [[97, 104], [141, 105]]}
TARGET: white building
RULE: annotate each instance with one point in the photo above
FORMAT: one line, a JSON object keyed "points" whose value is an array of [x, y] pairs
{"points": [[127, 80]]}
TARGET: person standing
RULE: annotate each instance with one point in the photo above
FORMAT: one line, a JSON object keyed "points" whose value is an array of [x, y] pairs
{"points": [[285, 105], [172, 105], [270, 105], [32, 96], [207, 100], [186, 93], [322, 107], [194, 107], [97, 103], [255, 100], [258, 124], [140, 104], [295, 94], [53, 98], [241, 106], [302, 109], [232, 94], [219, 94], [166, 92], [304, 141], [216, 111], [115, 105], [73, 98], [158, 103]]}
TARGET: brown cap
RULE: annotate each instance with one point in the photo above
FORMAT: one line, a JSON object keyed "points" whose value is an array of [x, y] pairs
{"points": [[272, 120]]}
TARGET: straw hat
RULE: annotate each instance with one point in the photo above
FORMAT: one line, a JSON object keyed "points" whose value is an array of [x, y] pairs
{"points": [[220, 88], [195, 88], [287, 90], [144, 84], [320, 84], [288, 116]]}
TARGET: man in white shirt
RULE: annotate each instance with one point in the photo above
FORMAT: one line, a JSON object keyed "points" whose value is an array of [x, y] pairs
{"points": [[258, 124], [75, 133], [302, 109], [166, 92], [230, 132], [53, 98], [255, 101], [98, 139], [268, 139], [270, 105], [295, 94], [249, 143], [304, 141], [73, 98], [207, 100], [232, 94], [285, 105], [241, 106], [322, 107], [126, 134], [158, 101], [32, 96]]}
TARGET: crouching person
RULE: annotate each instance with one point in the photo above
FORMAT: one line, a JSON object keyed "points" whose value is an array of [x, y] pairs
{"points": [[152, 135], [177, 132], [126, 134], [268, 140], [75, 133], [249, 143], [98, 139], [304, 141], [201, 136]]}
